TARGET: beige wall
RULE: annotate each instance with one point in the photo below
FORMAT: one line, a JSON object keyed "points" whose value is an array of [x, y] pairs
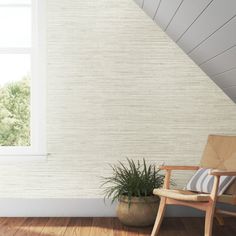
{"points": [[117, 87]]}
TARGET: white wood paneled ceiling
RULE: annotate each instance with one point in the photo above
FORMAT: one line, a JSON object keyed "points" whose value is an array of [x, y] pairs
{"points": [[206, 32]]}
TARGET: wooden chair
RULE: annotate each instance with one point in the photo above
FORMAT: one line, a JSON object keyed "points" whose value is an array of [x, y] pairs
{"points": [[219, 156]]}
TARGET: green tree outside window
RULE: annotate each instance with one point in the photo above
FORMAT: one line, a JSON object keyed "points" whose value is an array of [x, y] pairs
{"points": [[15, 114]]}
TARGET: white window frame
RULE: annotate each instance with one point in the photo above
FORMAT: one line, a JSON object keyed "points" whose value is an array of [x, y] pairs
{"points": [[37, 149]]}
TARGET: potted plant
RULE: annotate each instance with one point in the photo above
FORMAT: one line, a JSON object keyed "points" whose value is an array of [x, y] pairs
{"points": [[132, 186]]}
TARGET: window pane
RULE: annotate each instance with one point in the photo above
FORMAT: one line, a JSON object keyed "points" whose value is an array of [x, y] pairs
{"points": [[15, 26], [9, 2], [14, 100]]}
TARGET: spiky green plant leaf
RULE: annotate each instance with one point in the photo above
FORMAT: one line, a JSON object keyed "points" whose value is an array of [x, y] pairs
{"points": [[135, 179]]}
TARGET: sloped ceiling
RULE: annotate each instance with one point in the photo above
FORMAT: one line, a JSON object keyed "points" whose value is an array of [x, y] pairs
{"points": [[206, 32]]}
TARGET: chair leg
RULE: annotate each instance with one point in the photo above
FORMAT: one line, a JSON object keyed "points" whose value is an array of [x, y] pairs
{"points": [[159, 218], [209, 220]]}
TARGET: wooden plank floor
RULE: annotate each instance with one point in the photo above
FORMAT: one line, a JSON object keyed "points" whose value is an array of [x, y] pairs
{"points": [[107, 227]]}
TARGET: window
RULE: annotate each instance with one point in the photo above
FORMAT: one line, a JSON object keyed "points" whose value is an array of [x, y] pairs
{"points": [[22, 78]]}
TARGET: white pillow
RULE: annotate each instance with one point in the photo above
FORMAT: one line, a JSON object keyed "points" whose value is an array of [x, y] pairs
{"points": [[203, 182]]}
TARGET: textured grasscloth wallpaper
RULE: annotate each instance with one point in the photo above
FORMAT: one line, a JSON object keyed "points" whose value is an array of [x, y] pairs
{"points": [[117, 87]]}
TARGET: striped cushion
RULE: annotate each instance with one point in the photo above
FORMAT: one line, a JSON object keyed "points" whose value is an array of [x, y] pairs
{"points": [[203, 182]]}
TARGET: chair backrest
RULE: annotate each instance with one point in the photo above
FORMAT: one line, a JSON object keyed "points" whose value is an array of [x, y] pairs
{"points": [[220, 153]]}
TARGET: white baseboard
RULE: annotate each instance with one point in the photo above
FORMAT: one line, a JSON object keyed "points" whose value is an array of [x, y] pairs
{"points": [[54, 207], [73, 208], [86, 207]]}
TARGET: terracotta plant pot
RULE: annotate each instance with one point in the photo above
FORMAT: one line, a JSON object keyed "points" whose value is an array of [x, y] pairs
{"points": [[141, 212]]}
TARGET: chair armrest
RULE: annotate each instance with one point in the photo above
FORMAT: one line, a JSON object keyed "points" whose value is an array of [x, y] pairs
{"points": [[169, 169], [222, 173], [178, 167]]}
